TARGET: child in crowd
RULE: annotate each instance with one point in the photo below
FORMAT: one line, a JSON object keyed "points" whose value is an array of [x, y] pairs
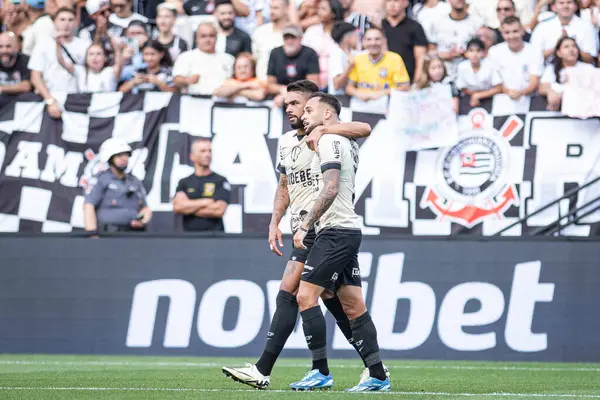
{"points": [[477, 76], [434, 73], [155, 75]]}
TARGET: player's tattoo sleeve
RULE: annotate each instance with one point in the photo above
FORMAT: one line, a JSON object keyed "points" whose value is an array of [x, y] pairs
{"points": [[331, 184], [282, 200]]}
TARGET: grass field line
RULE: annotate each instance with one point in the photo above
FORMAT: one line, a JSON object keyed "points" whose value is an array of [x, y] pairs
{"points": [[199, 390], [297, 365]]}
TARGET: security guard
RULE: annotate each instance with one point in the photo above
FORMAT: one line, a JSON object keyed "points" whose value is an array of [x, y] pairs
{"points": [[117, 200]]}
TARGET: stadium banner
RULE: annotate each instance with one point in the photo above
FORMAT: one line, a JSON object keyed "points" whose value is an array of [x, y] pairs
{"points": [[507, 299], [502, 167], [424, 118]]}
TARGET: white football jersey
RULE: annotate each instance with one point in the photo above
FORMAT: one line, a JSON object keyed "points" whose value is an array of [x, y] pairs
{"points": [[295, 161], [340, 153]]}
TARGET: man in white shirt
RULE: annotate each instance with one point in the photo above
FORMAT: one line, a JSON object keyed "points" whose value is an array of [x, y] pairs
{"points": [[518, 64], [47, 75], [546, 35], [123, 14], [202, 70], [451, 34], [41, 26], [269, 36], [486, 10]]}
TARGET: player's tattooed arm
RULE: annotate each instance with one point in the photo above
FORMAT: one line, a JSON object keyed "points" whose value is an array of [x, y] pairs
{"points": [[331, 185], [282, 200]]}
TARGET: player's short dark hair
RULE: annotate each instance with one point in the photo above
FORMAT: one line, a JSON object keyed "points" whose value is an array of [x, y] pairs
{"points": [[511, 20], [476, 42], [328, 99], [303, 86], [64, 9]]}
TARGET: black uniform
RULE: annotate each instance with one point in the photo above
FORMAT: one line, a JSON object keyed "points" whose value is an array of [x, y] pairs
{"points": [[212, 186]]}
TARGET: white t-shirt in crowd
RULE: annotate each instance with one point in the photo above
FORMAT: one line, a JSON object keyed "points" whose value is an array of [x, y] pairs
{"points": [[549, 75], [41, 29], [124, 22], [213, 69], [95, 82], [515, 69], [428, 16], [264, 40], [448, 32], [248, 24], [317, 39], [486, 78], [56, 78], [338, 62], [587, 14], [547, 34]]}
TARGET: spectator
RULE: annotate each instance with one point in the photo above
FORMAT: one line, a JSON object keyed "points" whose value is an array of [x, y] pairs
{"points": [[14, 74], [244, 82], [230, 39], [47, 75], [428, 13], [268, 36], [307, 14], [516, 61], [341, 61], [41, 26], [166, 14], [547, 33], [135, 37], [568, 55], [202, 197], [318, 37], [376, 72], [488, 36], [451, 34], [199, 7], [123, 15], [505, 9], [486, 11], [117, 199], [101, 30], [405, 36], [361, 21], [155, 75], [95, 75], [254, 19], [14, 17], [589, 10], [433, 74], [290, 63], [477, 76], [202, 70]]}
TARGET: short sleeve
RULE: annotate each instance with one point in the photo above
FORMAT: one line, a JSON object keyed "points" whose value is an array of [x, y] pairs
{"points": [[330, 152], [400, 73], [271, 69], [181, 65], [37, 60], [280, 157], [182, 186], [313, 63], [461, 81], [223, 191], [96, 193], [549, 75], [353, 76], [420, 39], [496, 78], [534, 65]]}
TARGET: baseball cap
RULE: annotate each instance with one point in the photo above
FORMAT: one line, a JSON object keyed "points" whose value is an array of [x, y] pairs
{"points": [[39, 4], [293, 30], [93, 6]]}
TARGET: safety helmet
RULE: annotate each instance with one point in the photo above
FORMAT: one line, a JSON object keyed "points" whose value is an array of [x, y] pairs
{"points": [[112, 147]]}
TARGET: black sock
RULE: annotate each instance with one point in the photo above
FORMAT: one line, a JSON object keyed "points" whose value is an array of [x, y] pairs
{"points": [[335, 308], [365, 337], [315, 332], [282, 326]]}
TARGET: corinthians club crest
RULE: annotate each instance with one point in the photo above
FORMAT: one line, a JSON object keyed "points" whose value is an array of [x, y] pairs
{"points": [[472, 177]]}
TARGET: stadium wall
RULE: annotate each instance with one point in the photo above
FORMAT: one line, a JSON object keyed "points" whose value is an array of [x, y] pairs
{"points": [[506, 299]]}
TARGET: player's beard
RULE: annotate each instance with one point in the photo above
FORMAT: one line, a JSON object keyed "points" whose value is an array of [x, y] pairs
{"points": [[298, 124]]}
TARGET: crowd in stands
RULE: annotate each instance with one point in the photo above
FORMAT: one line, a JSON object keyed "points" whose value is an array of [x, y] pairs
{"points": [[254, 48]]}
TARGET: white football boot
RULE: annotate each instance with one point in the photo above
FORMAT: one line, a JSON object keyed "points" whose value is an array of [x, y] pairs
{"points": [[247, 375], [365, 374]]}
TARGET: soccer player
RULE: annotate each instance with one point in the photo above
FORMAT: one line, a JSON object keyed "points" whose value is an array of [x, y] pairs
{"points": [[333, 260], [295, 190]]}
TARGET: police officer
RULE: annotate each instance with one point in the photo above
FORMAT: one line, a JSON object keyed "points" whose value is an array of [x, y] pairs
{"points": [[117, 200], [203, 196]]}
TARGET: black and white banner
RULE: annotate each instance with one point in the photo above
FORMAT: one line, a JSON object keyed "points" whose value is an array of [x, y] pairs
{"points": [[504, 165]]}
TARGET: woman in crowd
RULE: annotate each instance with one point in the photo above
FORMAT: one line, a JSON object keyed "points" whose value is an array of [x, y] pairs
{"points": [[434, 74], [155, 75], [567, 57], [95, 75], [244, 82], [318, 37]]}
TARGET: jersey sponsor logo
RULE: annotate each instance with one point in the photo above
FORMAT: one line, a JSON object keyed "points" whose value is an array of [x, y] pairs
{"points": [[472, 176], [303, 177], [355, 272], [373, 86], [209, 189], [336, 149], [334, 277]]}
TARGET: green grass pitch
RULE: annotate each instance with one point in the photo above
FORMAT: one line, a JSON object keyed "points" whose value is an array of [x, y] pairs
{"points": [[90, 377]]}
